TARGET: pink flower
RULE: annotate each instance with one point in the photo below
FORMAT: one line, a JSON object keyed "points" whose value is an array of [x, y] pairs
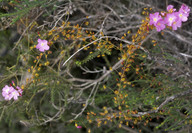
{"points": [[79, 126], [14, 94], [19, 90], [154, 18], [6, 91], [185, 9], [160, 25], [170, 8], [176, 24], [182, 16], [42, 45], [13, 83], [170, 18], [9, 92]]}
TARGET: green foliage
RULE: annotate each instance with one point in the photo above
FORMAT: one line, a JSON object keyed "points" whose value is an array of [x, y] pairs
{"points": [[92, 56]]}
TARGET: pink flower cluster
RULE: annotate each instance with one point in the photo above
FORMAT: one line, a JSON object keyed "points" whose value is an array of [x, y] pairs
{"points": [[170, 18], [8, 92]]}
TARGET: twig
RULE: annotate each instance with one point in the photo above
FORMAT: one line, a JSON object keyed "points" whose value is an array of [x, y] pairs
{"points": [[168, 99], [26, 30]]}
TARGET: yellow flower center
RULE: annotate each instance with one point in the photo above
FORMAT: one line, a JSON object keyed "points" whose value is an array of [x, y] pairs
{"points": [[170, 19], [7, 91], [42, 44], [180, 15], [155, 19], [170, 10]]}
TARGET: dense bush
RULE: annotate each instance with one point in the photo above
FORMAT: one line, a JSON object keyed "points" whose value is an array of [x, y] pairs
{"points": [[94, 66]]}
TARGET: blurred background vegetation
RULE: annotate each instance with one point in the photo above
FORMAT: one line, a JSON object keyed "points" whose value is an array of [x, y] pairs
{"points": [[104, 71]]}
